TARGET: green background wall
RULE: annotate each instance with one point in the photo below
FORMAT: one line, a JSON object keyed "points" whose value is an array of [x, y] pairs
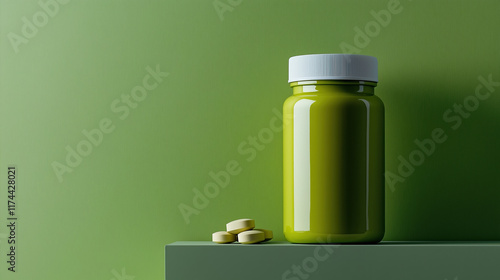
{"points": [[113, 213]]}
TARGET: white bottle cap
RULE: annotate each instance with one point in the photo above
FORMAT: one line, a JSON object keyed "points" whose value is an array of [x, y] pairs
{"points": [[313, 67]]}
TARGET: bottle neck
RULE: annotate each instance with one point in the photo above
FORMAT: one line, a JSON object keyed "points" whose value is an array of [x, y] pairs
{"points": [[333, 87]]}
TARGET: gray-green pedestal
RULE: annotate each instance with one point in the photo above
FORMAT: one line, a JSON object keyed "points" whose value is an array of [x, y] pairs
{"points": [[192, 260]]}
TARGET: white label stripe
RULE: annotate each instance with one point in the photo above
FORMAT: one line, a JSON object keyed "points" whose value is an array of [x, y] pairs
{"points": [[302, 165]]}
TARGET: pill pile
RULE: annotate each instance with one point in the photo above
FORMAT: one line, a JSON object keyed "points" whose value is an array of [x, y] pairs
{"points": [[243, 231]]}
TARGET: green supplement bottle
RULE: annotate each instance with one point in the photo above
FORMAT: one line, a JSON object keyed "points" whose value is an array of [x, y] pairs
{"points": [[333, 151]]}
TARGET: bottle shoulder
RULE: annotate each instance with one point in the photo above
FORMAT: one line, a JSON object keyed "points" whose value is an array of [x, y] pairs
{"points": [[335, 100]]}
